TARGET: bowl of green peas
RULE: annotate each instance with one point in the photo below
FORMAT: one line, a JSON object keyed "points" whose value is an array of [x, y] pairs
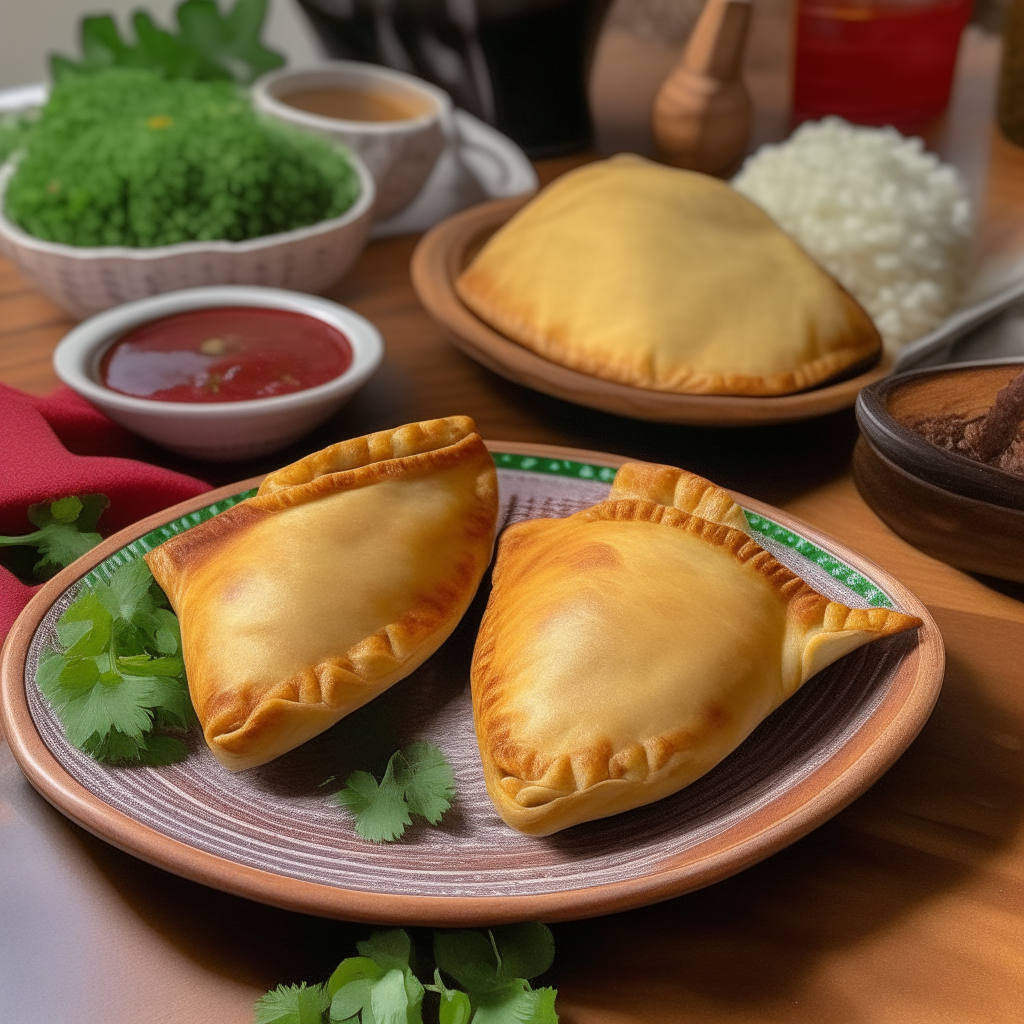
{"points": [[131, 185]]}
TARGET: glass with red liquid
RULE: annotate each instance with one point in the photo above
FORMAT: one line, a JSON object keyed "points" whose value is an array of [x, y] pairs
{"points": [[876, 61]]}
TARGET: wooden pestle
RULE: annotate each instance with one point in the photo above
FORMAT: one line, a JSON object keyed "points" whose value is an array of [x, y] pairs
{"points": [[701, 116]]}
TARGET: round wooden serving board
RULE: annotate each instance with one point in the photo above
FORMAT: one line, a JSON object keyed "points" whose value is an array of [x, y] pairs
{"points": [[447, 249], [273, 834]]}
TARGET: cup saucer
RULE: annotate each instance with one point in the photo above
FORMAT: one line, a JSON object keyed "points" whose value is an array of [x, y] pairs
{"points": [[477, 164]]}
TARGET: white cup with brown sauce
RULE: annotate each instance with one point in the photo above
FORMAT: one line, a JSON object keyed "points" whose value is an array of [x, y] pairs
{"points": [[394, 121]]}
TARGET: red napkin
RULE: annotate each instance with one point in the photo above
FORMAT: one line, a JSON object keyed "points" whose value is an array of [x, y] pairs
{"points": [[60, 445]]}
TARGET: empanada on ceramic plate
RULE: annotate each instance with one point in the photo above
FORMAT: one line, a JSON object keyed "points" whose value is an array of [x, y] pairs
{"points": [[628, 648], [667, 280], [341, 576]]}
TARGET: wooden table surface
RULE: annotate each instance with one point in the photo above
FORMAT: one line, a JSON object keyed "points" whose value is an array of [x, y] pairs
{"points": [[906, 907]]}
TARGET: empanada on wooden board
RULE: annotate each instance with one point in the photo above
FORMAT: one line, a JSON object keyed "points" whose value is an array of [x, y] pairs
{"points": [[628, 648], [668, 280], [343, 574]]}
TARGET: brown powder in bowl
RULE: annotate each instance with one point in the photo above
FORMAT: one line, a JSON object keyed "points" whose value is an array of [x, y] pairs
{"points": [[997, 438]]}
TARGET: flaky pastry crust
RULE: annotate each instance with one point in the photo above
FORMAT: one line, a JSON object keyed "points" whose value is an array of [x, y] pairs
{"points": [[678, 488], [627, 649], [667, 280], [342, 575]]}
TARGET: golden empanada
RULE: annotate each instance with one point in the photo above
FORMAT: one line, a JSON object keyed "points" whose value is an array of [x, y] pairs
{"points": [[344, 573], [628, 648], [668, 280]]}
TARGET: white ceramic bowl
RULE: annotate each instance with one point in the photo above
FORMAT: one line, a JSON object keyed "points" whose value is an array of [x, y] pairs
{"points": [[85, 280], [217, 431], [400, 154]]}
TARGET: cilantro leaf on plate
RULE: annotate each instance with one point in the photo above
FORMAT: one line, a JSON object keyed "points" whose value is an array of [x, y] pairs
{"points": [[126, 594], [65, 530], [418, 780], [101, 701], [380, 810], [427, 779], [120, 677]]}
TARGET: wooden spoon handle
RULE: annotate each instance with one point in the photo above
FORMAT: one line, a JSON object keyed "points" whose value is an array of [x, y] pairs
{"points": [[701, 118], [715, 47]]}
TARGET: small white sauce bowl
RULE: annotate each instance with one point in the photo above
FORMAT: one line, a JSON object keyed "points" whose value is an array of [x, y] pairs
{"points": [[400, 154], [217, 431]]}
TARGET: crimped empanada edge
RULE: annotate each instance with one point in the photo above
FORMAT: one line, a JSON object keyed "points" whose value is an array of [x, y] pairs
{"points": [[399, 647], [376, 662], [304, 691], [808, 608], [177, 554], [678, 488], [477, 291], [400, 467], [408, 440]]}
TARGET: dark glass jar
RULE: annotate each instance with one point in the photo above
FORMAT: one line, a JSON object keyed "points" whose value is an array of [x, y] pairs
{"points": [[521, 65]]}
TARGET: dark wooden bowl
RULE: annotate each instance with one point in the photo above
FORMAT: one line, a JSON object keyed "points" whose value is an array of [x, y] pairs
{"points": [[445, 251], [955, 509]]}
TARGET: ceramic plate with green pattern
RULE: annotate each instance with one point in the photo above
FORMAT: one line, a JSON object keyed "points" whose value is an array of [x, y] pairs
{"points": [[274, 834]]}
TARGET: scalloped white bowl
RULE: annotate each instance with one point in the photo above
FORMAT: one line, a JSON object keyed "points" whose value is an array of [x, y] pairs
{"points": [[85, 280], [217, 431]]}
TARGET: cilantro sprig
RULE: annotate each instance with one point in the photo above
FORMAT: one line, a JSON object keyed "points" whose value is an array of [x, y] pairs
{"points": [[493, 971], [65, 530], [418, 780], [120, 679], [208, 45]]}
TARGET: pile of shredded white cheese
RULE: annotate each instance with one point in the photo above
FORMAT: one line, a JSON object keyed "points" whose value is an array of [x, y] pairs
{"points": [[890, 222]]}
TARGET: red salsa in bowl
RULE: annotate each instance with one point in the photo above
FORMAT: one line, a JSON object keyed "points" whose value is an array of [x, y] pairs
{"points": [[225, 354]]}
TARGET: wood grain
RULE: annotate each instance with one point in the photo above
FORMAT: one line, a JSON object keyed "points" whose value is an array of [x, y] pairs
{"points": [[906, 908]]}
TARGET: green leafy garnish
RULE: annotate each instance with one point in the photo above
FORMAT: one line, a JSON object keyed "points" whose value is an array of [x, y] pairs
{"points": [[120, 679], [65, 530], [208, 45], [15, 128], [495, 970], [380, 985], [418, 780], [128, 157], [293, 1004]]}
